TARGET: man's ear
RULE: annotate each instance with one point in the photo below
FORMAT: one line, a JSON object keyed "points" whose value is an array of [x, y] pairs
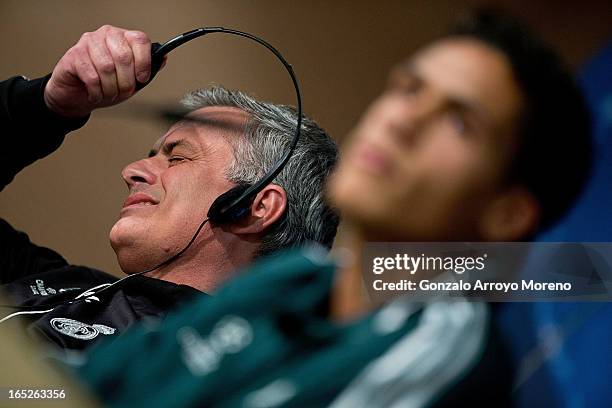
{"points": [[512, 216], [267, 208]]}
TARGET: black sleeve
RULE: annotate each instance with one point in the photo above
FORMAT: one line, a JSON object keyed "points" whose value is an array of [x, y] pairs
{"points": [[28, 131], [19, 257]]}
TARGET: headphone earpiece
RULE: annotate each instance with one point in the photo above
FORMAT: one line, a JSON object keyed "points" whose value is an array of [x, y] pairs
{"points": [[226, 210]]}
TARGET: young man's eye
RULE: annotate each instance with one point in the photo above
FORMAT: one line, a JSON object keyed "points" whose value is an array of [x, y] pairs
{"points": [[458, 123], [404, 87]]}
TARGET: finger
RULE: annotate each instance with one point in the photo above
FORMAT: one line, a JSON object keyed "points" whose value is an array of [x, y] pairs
{"points": [[87, 74], [123, 59], [141, 49], [105, 66]]}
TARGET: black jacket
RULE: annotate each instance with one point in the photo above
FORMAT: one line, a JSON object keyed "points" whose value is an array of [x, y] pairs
{"points": [[38, 279]]}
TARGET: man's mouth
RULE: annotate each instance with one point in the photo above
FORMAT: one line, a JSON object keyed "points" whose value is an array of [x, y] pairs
{"points": [[372, 159], [139, 200]]}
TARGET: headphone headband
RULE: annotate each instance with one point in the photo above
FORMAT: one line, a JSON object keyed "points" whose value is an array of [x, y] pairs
{"points": [[233, 204]]}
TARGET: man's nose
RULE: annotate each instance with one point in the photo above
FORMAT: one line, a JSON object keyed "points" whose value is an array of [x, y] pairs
{"points": [[403, 125], [407, 123], [141, 171]]}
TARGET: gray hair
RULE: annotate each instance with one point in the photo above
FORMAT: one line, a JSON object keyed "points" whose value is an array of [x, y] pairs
{"points": [[268, 134]]}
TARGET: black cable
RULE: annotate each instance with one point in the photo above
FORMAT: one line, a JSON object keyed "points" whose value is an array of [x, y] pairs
{"points": [[120, 281]]}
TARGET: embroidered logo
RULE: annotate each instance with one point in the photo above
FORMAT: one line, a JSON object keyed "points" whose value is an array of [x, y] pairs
{"points": [[79, 330], [39, 288], [203, 355]]}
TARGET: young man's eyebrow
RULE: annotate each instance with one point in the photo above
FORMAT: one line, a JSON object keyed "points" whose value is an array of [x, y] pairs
{"points": [[469, 107], [408, 68]]}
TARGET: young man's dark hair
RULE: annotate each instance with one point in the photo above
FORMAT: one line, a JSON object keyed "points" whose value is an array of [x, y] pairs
{"points": [[554, 154]]}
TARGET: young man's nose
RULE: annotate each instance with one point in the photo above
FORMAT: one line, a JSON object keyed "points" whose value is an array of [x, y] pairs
{"points": [[141, 171], [406, 123]]}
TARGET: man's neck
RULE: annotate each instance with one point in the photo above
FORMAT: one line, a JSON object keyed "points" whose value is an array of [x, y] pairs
{"points": [[348, 300], [206, 266]]}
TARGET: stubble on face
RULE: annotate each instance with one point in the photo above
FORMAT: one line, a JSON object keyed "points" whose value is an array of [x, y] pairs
{"points": [[186, 170]]}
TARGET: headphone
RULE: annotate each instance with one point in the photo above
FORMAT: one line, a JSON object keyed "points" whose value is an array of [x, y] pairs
{"points": [[235, 203], [230, 206]]}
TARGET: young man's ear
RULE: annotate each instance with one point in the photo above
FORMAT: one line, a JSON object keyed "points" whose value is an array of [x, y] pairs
{"points": [[512, 216], [267, 208]]}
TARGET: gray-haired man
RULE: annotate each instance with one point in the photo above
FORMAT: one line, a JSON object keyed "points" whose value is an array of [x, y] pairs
{"points": [[234, 140]]}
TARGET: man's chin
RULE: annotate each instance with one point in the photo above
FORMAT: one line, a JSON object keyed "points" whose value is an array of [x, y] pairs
{"points": [[128, 268], [342, 194], [367, 215], [130, 260], [124, 240], [135, 250], [127, 230]]}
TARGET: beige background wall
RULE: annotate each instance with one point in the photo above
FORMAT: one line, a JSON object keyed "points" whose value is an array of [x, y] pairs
{"points": [[341, 51]]}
